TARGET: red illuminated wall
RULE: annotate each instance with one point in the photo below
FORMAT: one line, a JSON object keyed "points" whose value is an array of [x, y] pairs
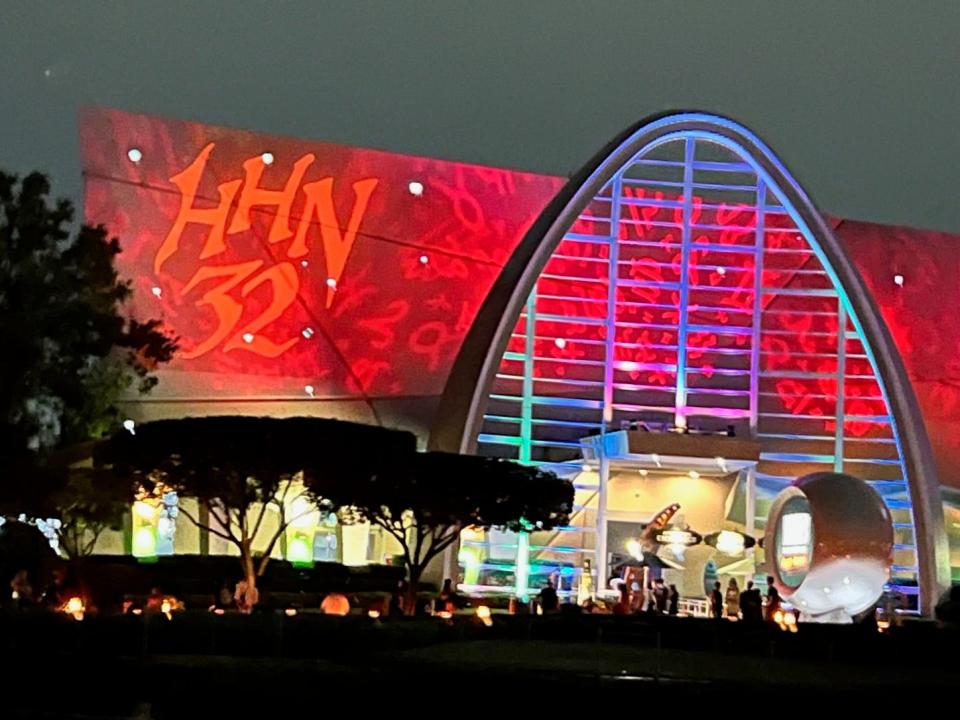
{"points": [[922, 316], [235, 255], [238, 257]]}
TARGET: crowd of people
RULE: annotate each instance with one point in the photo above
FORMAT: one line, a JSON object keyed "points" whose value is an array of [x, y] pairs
{"points": [[749, 605], [658, 598]]}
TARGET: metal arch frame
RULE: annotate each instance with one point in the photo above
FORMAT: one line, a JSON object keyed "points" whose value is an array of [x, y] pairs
{"points": [[465, 395]]}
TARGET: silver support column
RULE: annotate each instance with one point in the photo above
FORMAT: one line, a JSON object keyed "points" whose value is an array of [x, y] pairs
{"points": [[601, 563]]}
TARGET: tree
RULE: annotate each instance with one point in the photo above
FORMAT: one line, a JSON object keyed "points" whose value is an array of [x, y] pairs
{"points": [[69, 351], [239, 468], [425, 502], [85, 505]]}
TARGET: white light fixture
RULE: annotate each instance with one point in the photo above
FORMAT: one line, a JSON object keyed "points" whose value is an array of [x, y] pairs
{"points": [[134, 155], [415, 188], [332, 283], [303, 263], [308, 389], [628, 365], [721, 271], [156, 291], [130, 426], [267, 158], [560, 343], [424, 259], [730, 542], [248, 338], [898, 280], [307, 332], [694, 475]]}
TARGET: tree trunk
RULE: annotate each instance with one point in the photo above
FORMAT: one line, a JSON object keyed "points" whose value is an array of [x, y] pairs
{"points": [[413, 587], [250, 595]]}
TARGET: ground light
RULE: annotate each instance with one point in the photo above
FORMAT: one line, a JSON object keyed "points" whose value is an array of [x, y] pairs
{"points": [[786, 620], [484, 615], [75, 607]]}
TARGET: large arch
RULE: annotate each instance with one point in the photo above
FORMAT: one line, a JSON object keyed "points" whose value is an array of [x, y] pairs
{"points": [[898, 453]]}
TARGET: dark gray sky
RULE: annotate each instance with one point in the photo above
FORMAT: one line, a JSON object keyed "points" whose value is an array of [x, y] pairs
{"points": [[860, 99]]}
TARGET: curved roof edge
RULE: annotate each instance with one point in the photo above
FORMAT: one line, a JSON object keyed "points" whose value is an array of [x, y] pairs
{"points": [[461, 408]]}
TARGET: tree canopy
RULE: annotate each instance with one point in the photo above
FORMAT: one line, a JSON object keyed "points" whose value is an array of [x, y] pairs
{"points": [[69, 350], [424, 500], [239, 468]]}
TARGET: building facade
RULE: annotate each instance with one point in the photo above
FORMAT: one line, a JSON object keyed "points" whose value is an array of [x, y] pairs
{"points": [[682, 280]]}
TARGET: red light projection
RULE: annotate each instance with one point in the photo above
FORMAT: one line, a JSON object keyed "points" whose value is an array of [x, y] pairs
{"points": [[920, 315], [283, 277], [323, 274], [799, 333], [349, 272]]}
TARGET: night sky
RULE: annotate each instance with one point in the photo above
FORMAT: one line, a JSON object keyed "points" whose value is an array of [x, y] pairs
{"points": [[860, 99]]}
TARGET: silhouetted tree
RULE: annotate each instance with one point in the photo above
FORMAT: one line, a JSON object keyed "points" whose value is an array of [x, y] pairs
{"points": [[69, 352], [424, 502], [239, 468]]}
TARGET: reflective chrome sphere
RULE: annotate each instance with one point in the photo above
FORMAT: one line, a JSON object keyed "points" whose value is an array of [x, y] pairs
{"points": [[828, 546]]}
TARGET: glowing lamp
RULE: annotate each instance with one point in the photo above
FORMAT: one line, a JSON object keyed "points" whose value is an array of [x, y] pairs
{"points": [[898, 280], [415, 188], [829, 543], [130, 426], [373, 614], [145, 511], [300, 550], [248, 338], [470, 559], [424, 259], [267, 158], [290, 612], [445, 615], [145, 542], [134, 155], [335, 604], [730, 542], [484, 615], [75, 607], [635, 550]]}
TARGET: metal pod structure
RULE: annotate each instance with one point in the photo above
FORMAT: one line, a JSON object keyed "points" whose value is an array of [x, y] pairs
{"points": [[684, 276], [828, 544]]}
